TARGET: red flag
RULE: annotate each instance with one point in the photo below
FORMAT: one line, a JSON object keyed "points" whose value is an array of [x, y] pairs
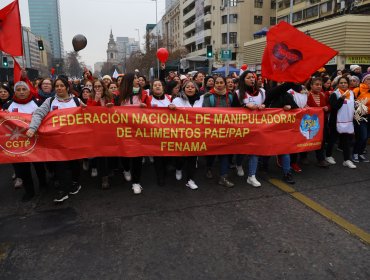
{"points": [[18, 77], [292, 56], [11, 30]]}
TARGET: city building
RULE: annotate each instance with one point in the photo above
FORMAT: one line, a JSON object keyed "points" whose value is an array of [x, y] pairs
{"points": [[341, 25], [112, 50], [224, 24], [45, 22]]}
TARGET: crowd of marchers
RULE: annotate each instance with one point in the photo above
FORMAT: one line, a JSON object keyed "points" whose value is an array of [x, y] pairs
{"points": [[344, 96]]}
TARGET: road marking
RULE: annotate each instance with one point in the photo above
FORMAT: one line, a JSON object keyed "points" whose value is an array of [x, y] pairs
{"points": [[351, 228]]}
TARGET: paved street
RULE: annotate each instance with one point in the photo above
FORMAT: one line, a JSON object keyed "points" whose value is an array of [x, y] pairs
{"points": [[173, 232]]}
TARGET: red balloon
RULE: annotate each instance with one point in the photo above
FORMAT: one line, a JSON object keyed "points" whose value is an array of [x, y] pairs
{"points": [[162, 55], [244, 67], [52, 71]]}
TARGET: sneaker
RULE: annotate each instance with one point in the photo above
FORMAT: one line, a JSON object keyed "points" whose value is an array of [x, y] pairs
{"points": [[209, 174], [94, 172], [363, 158], [143, 161], [14, 176], [127, 175], [349, 164], [151, 159], [191, 184], [239, 170], [85, 164], [76, 187], [296, 167], [323, 163], [355, 158], [18, 183], [61, 196], [253, 181], [278, 162], [288, 178], [105, 183], [224, 182], [136, 188], [178, 175], [339, 149], [331, 160]]}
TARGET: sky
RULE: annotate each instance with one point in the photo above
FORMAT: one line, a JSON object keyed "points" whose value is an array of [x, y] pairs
{"points": [[95, 18]]}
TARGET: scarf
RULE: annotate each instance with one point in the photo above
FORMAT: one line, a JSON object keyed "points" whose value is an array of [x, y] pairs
{"points": [[193, 98], [44, 95], [23, 101]]}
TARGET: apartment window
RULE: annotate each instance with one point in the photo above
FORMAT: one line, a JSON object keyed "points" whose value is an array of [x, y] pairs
{"points": [[326, 7], [258, 3], [232, 3], [297, 16], [285, 18], [311, 12], [272, 20], [273, 4], [298, 1], [258, 19], [232, 38], [232, 19]]}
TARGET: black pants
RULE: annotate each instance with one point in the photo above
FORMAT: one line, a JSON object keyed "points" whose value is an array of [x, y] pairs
{"points": [[67, 173], [345, 140], [190, 166], [134, 164], [23, 170], [160, 165]]}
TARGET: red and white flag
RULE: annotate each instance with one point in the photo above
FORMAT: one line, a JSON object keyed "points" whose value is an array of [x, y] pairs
{"points": [[292, 56]]}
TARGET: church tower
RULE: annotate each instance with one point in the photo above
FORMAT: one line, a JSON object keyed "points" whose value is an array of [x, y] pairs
{"points": [[112, 51]]}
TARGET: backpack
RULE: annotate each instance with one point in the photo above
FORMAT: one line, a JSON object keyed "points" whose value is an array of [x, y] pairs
{"points": [[212, 99]]}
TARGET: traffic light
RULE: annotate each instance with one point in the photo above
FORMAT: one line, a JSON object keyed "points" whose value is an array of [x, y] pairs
{"points": [[209, 51], [5, 61], [41, 45]]}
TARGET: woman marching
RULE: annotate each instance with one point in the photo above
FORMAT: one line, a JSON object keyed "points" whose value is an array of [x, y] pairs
{"points": [[188, 98], [219, 97], [342, 103], [67, 172], [24, 102], [131, 94], [249, 96]]}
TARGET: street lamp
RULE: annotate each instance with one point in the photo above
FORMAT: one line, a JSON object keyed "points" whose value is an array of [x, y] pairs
{"points": [[156, 26]]}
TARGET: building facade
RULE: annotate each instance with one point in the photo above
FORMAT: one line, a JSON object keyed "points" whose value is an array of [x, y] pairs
{"points": [[112, 50], [224, 24], [45, 21], [341, 25]]}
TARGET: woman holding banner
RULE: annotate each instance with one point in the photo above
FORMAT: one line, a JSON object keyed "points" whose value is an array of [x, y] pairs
{"points": [[101, 96], [250, 96], [131, 94], [189, 98], [158, 98], [24, 102], [219, 97], [67, 172]]}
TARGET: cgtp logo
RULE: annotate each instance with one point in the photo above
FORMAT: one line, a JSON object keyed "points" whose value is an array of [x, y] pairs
{"points": [[13, 138], [310, 126]]}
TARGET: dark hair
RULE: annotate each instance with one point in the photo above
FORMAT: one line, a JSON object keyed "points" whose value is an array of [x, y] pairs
{"points": [[344, 77], [106, 94], [243, 87], [170, 86], [126, 87], [196, 74], [151, 87], [311, 81], [64, 81], [43, 79], [8, 89]]}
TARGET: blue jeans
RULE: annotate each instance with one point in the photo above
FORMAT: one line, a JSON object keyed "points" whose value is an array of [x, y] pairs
{"points": [[362, 132], [252, 163], [285, 162], [224, 163]]}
